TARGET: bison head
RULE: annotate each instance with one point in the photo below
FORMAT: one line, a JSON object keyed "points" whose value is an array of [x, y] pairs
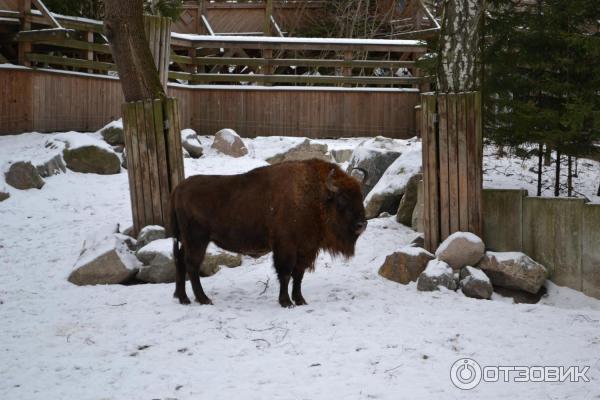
{"points": [[346, 214]]}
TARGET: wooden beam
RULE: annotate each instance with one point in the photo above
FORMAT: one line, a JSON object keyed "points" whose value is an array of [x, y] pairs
{"points": [[46, 13], [268, 16], [70, 62], [25, 47], [46, 35]]}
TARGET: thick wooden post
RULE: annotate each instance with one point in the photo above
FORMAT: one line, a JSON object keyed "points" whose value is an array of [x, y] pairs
{"points": [[158, 33], [451, 129], [268, 31], [155, 162], [25, 47]]}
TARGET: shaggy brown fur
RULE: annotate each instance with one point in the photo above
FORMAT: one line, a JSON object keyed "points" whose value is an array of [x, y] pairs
{"points": [[294, 209]]}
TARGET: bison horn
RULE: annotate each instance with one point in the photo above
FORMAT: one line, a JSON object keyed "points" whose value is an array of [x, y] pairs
{"points": [[330, 186], [364, 171]]}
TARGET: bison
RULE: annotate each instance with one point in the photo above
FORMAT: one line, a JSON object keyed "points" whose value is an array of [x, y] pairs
{"points": [[293, 209]]}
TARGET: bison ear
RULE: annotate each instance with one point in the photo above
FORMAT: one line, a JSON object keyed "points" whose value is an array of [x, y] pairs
{"points": [[330, 185]]}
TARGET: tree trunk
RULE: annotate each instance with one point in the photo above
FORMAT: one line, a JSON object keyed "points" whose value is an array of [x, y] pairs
{"points": [[539, 171], [570, 176], [124, 25], [557, 176], [459, 51]]}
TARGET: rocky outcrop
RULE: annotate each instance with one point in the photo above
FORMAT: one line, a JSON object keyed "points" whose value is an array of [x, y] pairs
{"points": [[304, 151], [23, 175], [113, 133], [461, 249], [514, 270], [409, 201], [228, 142], [437, 274], [405, 265]]}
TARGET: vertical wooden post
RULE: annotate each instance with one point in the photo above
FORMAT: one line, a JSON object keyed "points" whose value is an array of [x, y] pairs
{"points": [[90, 53], [158, 33], [268, 56], [346, 70], [268, 31], [25, 47], [452, 162]]}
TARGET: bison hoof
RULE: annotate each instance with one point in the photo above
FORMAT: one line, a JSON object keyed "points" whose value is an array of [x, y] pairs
{"points": [[300, 302], [287, 303], [182, 299], [204, 301]]}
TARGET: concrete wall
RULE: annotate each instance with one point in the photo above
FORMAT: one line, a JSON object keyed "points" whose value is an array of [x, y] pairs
{"points": [[562, 234]]}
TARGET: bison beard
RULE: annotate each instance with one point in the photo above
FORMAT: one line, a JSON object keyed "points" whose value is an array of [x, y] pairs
{"points": [[294, 209]]}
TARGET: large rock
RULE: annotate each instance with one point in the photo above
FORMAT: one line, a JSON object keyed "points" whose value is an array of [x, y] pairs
{"points": [[461, 249], [159, 263], [370, 160], [386, 195], [475, 283], [92, 159], [53, 166], [304, 151], [124, 158], [229, 143], [437, 274], [341, 155], [409, 201], [113, 133], [405, 265], [191, 143], [149, 234], [417, 217], [4, 194], [23, 175], [104, 260], [514, 270]]}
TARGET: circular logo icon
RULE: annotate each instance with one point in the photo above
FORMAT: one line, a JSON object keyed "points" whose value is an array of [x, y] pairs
{"points": [[465, 374]]}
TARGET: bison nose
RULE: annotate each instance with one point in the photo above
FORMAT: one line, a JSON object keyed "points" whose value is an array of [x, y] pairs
{"points": [[360, 227]]}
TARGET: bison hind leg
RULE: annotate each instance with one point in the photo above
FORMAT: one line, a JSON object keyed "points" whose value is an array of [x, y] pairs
{"points": [[194, 257], [180, 276]]}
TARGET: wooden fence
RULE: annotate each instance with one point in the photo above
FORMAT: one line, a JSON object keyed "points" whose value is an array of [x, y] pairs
{"points": [[452, 160], [49, 101]]}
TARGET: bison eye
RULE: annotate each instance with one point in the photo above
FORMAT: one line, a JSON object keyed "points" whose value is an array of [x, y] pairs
{"points": [[342, 201]]}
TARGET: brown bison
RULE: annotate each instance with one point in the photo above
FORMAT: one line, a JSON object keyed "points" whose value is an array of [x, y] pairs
{"points": [[294, 209]]}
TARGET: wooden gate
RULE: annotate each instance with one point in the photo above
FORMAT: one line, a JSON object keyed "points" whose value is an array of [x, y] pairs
{"points": [[452, 162]]}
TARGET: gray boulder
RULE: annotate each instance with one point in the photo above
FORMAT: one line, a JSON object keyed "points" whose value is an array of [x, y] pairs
{"points": [[341, 155], [191, 143], [53, 166], [104, 260], [390, 188], [113, 133], [159, 263], [149, 234], [419, 241], [92, 159], [23, 175], [370, 160], [475, 283], [437, 274], [461, 249], [124, 158], [409, 201], [417, 216], [304, 151], [514, 270], [4, 194], [405, 265], [228, 142]]}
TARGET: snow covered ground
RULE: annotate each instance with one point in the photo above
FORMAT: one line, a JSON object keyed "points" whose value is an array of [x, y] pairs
{"points": [[360, 337]]}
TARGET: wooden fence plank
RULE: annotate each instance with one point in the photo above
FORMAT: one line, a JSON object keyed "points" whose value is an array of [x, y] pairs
{"points": [[154, 174], [453, 175], [443, 167], [461, 132], [129, 133], [426, 179], [432, 168], [144, 162]]}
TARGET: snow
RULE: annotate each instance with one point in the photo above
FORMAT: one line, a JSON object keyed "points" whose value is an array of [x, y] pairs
{"points": [[457, 235], [477, 274], [159, 246], [76, 140], [229, 135], [295, 88], [115, 124], [360, 337], [436, 268], [505, 255], [415, 251]]}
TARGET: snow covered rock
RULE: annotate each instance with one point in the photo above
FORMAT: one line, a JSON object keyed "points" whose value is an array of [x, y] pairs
{"points": [[370, 160], [4, 194], [417, 216], [104, 260], [514, 270], [228, 142], [461, 249], [419, 241], [341, 155], [159, 263], [113, 133], [86, 154], [437, 274], [23, 175], [405, 265], [190, 142], [386, 194], [124, 158], [149, 234], [475, 283], [304, 151], [409, 201], [53, 166]]}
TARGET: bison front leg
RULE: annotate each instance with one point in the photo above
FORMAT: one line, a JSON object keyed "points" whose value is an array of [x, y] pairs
{"points": [[298, 274], [284, 264]]}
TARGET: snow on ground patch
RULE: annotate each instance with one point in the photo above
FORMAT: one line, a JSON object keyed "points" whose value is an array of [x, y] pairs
{"points": [[360, 337]]}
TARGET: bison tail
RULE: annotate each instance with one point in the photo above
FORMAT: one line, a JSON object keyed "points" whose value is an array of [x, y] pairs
{"points": [[178, 256]]}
